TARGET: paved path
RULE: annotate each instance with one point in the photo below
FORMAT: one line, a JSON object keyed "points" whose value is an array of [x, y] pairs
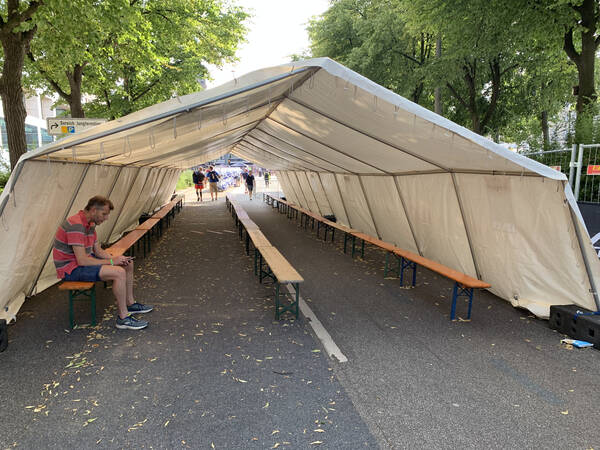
{"points": [[214, 368], [420, 380]]}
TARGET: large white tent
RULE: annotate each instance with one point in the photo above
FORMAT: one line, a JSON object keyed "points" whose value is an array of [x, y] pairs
{"points": [[339, 144]]}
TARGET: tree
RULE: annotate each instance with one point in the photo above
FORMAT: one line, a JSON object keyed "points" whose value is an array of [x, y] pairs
{"points": [[17, 28], [583, 21], [371, 37], [128, 55]]}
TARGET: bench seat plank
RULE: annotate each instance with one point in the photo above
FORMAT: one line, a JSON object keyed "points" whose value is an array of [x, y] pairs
{"points": [[123, 244], [459, 277], [374, 241], [258, 238], [75, 285], [148, 224], [281, 268]]}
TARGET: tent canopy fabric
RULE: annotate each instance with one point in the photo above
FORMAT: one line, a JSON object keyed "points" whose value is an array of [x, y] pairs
{"points": [[339, 144]]}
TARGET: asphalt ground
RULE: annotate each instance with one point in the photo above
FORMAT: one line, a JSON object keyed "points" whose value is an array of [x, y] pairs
{"points": [[214, 368]]}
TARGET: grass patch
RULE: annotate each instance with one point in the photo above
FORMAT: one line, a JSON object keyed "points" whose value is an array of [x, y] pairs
{"points": [[185, 180]]}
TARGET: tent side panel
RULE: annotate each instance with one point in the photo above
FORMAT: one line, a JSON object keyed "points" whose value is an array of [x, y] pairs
{"points": [[320, 196], [297, 189], [435, 214], [388, 211], [286, 187], [308, 193], [97, 181], [356, 204], [333, 197], [29, 222], [515, 223], [118, 196], [126, 216]]}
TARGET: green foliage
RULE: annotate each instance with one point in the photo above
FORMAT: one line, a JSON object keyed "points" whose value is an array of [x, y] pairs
{"points": [[185, 180], [501, 66], [128, 55]]}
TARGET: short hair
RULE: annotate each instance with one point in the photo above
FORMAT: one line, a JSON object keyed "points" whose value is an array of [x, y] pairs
{"points": [[98, 201]]}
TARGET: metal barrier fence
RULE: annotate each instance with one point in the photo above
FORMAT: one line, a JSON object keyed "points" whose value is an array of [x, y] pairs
{"points": [[581, 164]]}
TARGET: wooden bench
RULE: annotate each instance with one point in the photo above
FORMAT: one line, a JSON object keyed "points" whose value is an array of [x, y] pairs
{"points": [[272, 264], [80, 291], [268, 261], [463, 284]]}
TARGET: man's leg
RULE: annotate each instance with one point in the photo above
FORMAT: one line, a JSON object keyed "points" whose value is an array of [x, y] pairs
{"points": [[118, 276], [129, 283]]}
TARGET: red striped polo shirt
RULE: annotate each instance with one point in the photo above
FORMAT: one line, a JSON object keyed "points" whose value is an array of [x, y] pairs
{"points": [[74, 231]]}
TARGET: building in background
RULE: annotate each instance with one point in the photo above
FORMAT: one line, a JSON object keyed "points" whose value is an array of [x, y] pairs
{"points": [[39, 108]]}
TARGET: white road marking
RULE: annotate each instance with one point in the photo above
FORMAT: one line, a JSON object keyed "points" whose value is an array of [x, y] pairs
{"points": [[330, 347]]}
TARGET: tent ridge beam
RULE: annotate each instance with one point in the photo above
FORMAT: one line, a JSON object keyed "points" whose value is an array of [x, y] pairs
{"points": [[253, 153], [326, 145], [246, 139], [298, 148], [246, 143], [248, 146], [364, 133]]}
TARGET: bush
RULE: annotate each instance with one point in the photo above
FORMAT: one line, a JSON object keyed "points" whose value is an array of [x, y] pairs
{"points": [[3, 180], [185, 180]]}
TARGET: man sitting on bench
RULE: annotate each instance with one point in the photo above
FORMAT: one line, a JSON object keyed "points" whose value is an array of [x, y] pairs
{"points": [[79, 257]]}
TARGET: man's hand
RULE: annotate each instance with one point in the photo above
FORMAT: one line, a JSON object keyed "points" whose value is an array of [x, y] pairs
{"points": [[122, 260]]}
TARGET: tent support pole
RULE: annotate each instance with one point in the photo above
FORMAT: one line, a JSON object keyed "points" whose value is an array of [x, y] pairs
{"points": [[65, 215], [362, 187], [324, 191], [114, 183], [313, 194], [342, 199], [123, 205], [410, 225], [467, 231], [293, 172], [586, 262]]}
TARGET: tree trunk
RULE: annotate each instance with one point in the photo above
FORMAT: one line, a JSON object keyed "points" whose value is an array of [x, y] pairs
{"points": [[75, 79], [585, 62], [545, 130], [438, 90], [11, 91]]}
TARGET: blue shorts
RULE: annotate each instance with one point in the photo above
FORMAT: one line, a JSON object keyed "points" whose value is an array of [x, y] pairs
{"points": [[84, 273]]}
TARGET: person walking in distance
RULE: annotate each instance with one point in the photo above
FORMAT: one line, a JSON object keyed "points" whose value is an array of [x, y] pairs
{"points": [[213, 179], [198, 179], [267, 177], [79, 257], [244, 175], [250, 184]]}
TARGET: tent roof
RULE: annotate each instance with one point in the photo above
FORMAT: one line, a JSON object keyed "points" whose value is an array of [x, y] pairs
{"points": [[311, 115]]}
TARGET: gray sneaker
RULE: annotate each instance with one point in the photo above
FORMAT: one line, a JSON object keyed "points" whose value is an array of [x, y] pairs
{"points": [[130, 323], [138, 308]]}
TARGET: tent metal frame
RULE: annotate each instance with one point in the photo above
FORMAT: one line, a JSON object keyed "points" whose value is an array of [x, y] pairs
{"points": [[362, 187], [410, 225], [467, 228]]}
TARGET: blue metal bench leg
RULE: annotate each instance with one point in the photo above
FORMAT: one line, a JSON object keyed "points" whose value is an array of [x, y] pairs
{"points": [[460, 291], [407, 264]]}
